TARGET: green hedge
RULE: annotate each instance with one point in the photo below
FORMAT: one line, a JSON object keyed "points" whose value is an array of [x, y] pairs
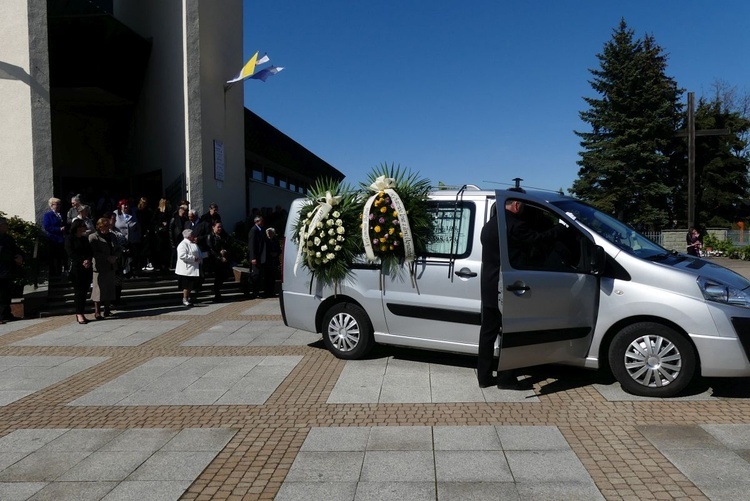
{"points": [[30, 238]]}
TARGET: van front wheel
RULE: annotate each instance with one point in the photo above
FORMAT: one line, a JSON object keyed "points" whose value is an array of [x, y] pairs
{"points": [[347, 332], [652, 360]]}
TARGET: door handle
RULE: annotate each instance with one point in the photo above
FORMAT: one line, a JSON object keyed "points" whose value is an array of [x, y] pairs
{"points": [[466, 273], [518, 287]]}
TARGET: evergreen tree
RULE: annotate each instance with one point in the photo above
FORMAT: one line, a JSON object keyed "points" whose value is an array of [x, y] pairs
{"points": [[721, 164], [626, 166]]}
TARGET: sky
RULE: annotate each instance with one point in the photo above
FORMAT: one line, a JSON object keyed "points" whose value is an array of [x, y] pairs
{"points": [[467, 92]]}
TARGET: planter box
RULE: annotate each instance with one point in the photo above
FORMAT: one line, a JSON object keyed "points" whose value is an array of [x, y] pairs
{"points": [[240, 273]]}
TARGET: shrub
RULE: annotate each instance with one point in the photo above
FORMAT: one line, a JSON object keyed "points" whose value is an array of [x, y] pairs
{"points": [[30, 238]]}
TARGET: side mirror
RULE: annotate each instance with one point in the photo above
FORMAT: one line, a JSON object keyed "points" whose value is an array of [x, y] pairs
{"points": [[598, 260]]}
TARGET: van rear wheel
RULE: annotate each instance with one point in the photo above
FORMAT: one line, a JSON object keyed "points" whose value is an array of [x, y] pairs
{"points": [[652, 360], [347, 332]]}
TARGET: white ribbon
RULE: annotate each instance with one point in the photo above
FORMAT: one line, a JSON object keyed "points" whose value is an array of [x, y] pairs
{"points": [[383, 183], [325, 205], [386, 185]]}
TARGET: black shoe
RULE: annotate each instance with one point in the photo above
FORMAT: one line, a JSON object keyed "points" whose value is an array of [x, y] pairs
{"points": [[488, 383], [507, 381]]}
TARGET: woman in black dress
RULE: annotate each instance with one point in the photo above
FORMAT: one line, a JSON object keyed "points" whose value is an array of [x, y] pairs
{"points": [[80, 254]]}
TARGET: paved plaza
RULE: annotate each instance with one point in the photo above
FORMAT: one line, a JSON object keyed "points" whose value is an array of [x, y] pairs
{"points": [[222, 401]]}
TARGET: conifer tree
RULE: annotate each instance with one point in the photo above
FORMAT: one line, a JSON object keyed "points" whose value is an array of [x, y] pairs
{"points": [[627, 166], [721, 164]]}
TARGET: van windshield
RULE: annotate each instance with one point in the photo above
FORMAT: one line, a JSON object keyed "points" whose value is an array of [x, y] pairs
{"points": [[620, 234]]}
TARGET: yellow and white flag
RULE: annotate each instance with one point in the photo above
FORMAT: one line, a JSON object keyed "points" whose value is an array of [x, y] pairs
{"points": [[249, 68]]}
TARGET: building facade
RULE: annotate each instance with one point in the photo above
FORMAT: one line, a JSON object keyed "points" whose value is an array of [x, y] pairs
{"points": [[127, 98]]}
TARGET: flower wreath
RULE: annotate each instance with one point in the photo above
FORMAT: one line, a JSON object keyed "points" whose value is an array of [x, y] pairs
{"points": [[395, 223], [323, 231]]}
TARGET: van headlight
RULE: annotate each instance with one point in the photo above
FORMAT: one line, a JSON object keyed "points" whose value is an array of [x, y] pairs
{"points": [[718, 292]]}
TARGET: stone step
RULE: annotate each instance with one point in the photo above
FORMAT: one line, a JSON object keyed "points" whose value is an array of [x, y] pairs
{"points": [[141, 292]]}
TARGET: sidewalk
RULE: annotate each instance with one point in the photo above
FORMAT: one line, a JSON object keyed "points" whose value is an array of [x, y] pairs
{"points": [[223, 401]]}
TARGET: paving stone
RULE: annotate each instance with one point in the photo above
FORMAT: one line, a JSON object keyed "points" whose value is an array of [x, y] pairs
{"points": [[331, 466], [306, 491], [172, 466], [42, 466], [472, 466], [555, 491], [734, 436], [336, 439], [19, 491], [80, 491], [151, 490], [398, 466], [531, 438], [708, 466], [395, 491], [290, 420], [466, 438], [547, 466], [400, 438], [478, 491]]}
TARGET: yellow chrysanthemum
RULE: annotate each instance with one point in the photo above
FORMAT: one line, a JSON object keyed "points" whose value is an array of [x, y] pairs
{"points": [[383, 209], [377, 229], [391, 231]]}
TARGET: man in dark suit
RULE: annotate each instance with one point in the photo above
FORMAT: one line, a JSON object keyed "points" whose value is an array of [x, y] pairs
{"points": [[521, 237], [256, 254]]}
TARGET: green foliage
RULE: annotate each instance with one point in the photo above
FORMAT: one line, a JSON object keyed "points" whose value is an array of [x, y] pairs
{"points": [[413, 191], [721, 163], [626, 167], [238, 250], [328, 229], [726, 248], [30, 238]]}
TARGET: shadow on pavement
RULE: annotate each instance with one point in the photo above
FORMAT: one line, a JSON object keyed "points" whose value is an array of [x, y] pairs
{"points": [[555, 378]]}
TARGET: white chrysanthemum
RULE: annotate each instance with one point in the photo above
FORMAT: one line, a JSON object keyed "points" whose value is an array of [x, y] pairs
{"points": [[331, 241], [339, 222], [318, 254], [324, 247], [329, 222], [317, 241], [337, 248], [340, 230], [339, 238], [319, 225], [330, 255], [331, 232], [336, 214]]}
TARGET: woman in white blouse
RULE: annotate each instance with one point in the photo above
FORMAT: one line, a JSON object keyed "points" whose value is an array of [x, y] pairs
{"points": [[188, 268]]}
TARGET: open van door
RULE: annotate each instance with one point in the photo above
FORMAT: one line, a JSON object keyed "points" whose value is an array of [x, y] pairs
{"points": [[548, 288]]}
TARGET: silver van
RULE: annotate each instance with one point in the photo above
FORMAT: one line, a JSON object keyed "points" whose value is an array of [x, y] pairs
{"points": [[603, 297]]}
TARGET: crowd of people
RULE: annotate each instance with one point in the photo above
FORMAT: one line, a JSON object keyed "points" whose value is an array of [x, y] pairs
{"points": [[124, 241]]}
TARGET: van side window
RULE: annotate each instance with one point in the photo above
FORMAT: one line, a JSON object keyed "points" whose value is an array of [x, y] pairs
{"points": [[452, 229]]}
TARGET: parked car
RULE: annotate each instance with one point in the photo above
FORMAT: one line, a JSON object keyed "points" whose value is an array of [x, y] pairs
{"points": [[611, 299]]}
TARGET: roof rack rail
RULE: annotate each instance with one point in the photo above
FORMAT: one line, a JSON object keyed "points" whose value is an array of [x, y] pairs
{"points": [[456, 187]]}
